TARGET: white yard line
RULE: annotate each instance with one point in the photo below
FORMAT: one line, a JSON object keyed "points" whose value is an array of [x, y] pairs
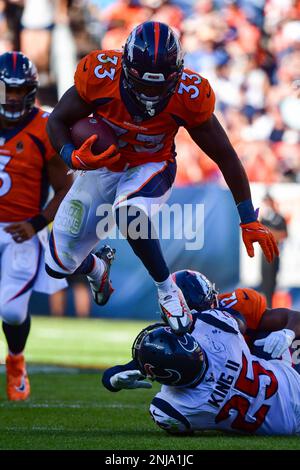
{"points": [[57, 369], [68, 405]]}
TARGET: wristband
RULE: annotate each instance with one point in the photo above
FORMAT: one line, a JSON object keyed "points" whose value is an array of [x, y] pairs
{"points": [[247, 212], [290, 334], [66, 154], [38, 222]]}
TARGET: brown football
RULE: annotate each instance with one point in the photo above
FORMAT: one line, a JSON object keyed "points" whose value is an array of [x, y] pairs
{"points": [[88, 126]]}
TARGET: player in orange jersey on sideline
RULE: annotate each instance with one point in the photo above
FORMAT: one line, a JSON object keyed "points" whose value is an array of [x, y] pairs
{"points": [[145, 94], [28, 167]]}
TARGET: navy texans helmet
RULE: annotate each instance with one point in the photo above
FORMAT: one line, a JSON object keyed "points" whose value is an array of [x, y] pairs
{"points": [[17, 71], [199, 293], [152, 63], [169, 359]]}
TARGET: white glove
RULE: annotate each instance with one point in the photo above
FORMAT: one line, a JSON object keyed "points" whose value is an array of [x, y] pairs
{"points": [[277, 342], [129, 379]]}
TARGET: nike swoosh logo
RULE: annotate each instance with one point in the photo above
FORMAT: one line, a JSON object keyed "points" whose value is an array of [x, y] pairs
{"points": [[22, 387], [246, 296], [156, 414], [84, 66]]}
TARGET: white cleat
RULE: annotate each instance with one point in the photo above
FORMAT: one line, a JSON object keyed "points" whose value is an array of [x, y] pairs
{"points": [[174, 310]]}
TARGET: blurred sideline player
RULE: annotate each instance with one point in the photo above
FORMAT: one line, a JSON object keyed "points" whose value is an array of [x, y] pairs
{"points": [[277, 224], [145, 94], [28, 167], [81, 295], [250, 310], [211, 380]]}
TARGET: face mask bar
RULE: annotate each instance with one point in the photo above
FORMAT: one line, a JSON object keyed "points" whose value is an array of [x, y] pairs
{"points": [[22, 106], [135, 86]]}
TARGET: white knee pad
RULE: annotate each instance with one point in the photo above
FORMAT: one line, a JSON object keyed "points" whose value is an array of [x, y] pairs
{"points": [[166, 422], [63, 263], [14, 312], [169, 418]]}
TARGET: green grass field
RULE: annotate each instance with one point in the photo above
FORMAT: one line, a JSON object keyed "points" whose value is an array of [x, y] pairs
{"points": [[69, 408]]}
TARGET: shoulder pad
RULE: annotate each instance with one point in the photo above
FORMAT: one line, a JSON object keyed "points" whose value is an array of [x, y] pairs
{"points": [[196, 98], [220, 319], [95, 72]]}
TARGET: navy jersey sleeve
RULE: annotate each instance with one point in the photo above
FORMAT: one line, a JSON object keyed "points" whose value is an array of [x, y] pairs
{"points": [[108, 373]]}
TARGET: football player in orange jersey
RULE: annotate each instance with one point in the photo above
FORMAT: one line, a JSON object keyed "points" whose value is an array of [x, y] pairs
{"points": [[249, 308], [28, 166], [145, 94]]}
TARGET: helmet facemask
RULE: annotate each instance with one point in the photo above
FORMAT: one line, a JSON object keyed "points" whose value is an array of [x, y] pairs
{"points": [[151, 91], [209, 297], [15, 108]]}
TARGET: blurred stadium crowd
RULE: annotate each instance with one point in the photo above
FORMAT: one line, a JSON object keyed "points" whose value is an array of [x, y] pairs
{"points": [[248, 49]]}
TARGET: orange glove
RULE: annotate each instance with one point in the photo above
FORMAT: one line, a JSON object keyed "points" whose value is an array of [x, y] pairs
{"points": [[257, 232], [84, 159]]}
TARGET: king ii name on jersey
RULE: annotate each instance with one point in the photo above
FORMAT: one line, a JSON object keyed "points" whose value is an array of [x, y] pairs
{"points": [[239, 392]]}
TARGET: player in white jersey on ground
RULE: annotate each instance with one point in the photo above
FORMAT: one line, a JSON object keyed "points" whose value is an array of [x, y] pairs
{"points": [[210, 380]]}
